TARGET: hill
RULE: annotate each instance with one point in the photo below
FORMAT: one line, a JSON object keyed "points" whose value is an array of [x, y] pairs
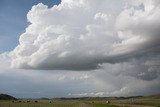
{"points": [[6, 97]]}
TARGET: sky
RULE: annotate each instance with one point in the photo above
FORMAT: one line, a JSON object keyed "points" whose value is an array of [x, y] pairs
{"points": [[79, 48], [14, 21]]}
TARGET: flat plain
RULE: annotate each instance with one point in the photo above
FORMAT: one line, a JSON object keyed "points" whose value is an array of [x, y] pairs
{"points": [[151, 101]]}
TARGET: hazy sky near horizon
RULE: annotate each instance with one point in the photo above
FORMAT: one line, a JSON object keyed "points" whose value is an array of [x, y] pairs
{"points": [[78, 48]]}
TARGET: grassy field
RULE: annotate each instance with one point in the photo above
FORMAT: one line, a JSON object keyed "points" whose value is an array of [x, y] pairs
{"points": [[155, 102], [53, 104], [142, 102]]}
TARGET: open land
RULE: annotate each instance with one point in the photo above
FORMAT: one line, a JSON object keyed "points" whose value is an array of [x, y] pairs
{"points": [[149, 101]]}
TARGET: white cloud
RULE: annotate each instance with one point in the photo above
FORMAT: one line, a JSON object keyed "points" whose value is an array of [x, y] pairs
{"points": [[82, 35], [118, 41], [94, 94], [58, 37]]}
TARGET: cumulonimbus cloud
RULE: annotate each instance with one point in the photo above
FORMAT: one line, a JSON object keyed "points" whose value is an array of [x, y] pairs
{"points": [[84, 34]]}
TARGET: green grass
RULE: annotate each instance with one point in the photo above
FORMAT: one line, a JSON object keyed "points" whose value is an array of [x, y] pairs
{"points": [[139, 101], [44, 104], [102, 105], [155, 102]]}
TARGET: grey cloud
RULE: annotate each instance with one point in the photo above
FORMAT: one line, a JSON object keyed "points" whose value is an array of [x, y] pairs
{"points": [[115, 80], [143, 67]]}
